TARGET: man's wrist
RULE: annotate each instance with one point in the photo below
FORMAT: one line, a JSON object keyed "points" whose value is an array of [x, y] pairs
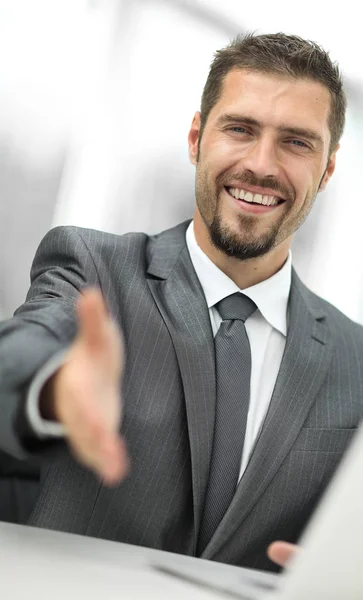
{"points": [[46, 400], [39, 405]]}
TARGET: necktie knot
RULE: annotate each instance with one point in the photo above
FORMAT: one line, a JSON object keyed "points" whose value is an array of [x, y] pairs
{"points": [[237, 306]]}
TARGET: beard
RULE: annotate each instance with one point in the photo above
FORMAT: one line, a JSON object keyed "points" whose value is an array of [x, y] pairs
{"points": [[244, 241], [235, 245]]}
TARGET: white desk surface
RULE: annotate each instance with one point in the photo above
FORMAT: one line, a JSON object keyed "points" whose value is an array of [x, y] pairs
{"points": [[37, 564]]}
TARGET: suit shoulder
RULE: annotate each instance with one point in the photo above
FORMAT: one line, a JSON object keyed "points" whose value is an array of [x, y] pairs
{"points": [[341, 323], [104, 242], [94, 237]]}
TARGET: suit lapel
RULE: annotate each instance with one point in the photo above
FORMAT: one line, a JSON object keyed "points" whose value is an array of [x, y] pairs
{"points": [[303, 368], [181, 303]]}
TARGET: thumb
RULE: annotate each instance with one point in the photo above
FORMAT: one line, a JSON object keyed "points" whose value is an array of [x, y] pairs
{"points": [[92, 318]]}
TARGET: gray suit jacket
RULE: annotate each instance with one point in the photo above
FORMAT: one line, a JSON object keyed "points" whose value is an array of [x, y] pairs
{"points": [[169, 400]]}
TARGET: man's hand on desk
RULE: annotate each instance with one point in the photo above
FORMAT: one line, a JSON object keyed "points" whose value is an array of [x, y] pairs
{"points": [[84, 394], [282, 552]]}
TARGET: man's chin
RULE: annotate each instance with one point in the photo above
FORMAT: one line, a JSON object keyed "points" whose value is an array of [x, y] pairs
{"points": [[240, 240], [237, 246]]}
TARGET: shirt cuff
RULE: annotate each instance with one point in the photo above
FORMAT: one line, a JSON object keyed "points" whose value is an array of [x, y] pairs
{"points": [[42, 427]]}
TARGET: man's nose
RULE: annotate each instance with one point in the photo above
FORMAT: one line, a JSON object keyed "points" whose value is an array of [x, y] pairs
{"points": [[261, 158]]}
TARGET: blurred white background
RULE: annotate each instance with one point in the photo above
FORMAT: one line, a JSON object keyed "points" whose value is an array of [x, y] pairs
{"points": [[96, 99]]}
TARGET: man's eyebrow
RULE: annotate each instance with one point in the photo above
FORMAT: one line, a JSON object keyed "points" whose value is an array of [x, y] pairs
{"points": [[304, 132], [226, 119]]}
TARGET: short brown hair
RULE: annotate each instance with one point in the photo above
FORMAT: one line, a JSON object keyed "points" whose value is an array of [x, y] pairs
{"points": [[280, 54]]}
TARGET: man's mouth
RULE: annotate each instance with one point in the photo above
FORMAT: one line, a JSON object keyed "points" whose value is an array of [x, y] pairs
{"points": [[256, 199]]}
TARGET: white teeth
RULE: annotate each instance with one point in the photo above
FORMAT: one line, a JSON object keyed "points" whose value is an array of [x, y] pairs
{"points": [[240, 194]]}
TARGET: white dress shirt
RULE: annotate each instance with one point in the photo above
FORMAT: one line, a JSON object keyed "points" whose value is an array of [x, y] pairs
{"points": [[266, 329]]}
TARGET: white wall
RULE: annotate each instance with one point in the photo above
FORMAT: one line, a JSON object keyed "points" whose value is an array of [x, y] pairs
{"points": [[39, 49], [131, 79]]}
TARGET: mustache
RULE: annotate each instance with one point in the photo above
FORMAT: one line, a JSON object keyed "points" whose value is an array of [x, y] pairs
{"points": [[250, 179]]}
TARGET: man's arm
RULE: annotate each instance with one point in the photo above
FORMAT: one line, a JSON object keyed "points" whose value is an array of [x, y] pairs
{"points": [[84, 394], [43, 326]]}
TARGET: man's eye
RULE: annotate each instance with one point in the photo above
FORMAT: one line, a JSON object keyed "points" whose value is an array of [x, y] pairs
{"points": [[298, 143], [237, 129]]}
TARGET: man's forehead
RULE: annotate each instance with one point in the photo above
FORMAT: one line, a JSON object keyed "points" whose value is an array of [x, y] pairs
{"points": [[242, 87], [237, 80]]}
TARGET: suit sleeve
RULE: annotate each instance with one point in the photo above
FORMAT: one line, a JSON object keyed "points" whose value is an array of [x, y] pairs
{"points": [[42, 327]]}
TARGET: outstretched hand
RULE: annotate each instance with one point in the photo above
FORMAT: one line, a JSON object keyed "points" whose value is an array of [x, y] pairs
{"points": [[84, 394]]}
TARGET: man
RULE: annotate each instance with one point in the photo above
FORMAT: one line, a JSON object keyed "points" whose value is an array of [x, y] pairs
{"points": [[232, 422]]}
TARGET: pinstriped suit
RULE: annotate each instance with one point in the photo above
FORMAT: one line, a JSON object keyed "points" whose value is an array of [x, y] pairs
{"points": [[169, 399]]}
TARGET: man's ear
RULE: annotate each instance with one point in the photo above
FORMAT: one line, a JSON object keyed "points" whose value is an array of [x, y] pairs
{"points": [[329, 170], [193, 139]]}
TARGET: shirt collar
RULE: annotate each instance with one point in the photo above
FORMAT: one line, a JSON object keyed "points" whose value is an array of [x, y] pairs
{"points": [[271, 296]]}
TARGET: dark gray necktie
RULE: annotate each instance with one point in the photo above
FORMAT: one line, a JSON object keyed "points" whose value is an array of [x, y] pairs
{"points": [[233, 376]]}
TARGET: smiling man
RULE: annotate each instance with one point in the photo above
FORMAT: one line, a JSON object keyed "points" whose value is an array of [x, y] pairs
{"points": [[263, 151], [241, 389]]}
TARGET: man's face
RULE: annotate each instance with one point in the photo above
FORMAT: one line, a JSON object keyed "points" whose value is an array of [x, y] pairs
{"points": [[266, 140]]}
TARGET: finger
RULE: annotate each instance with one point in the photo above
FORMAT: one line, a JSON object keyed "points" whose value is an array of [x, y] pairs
{"points": [[104, 453], [92, 430], [93, 317], [281, 552], [116, 464]]}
